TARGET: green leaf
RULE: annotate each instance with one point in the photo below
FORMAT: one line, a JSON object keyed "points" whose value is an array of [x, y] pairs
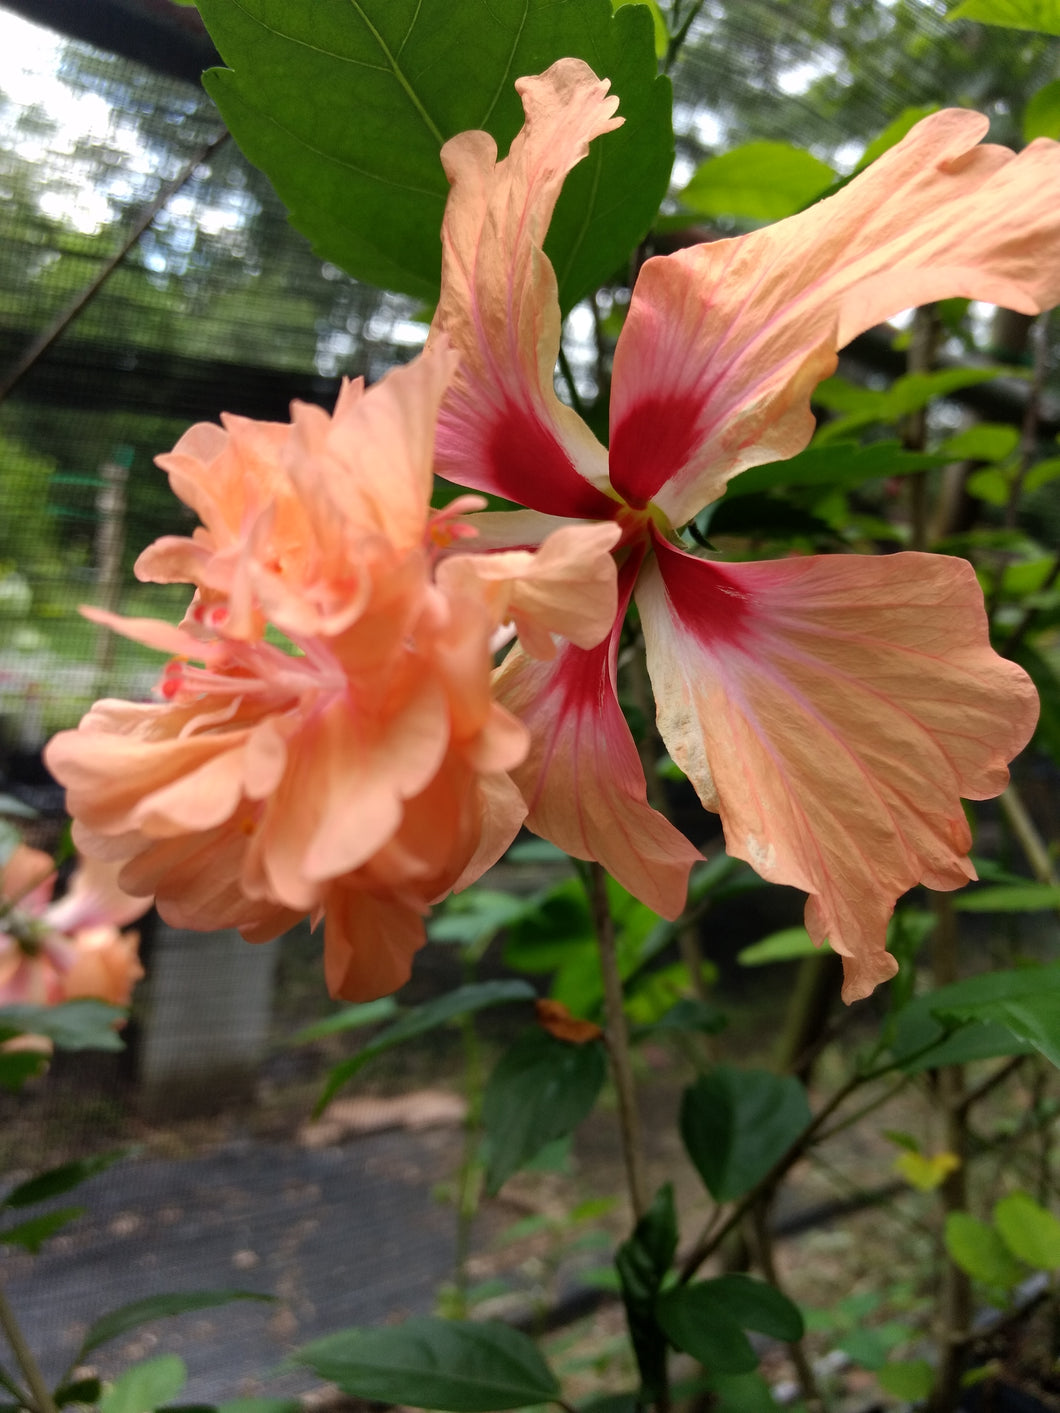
{"points": [[1022, 898], [894, 132], [836, 465], [1042, 113], [977, 1248], [474, 918], [662, 34], [61, 1179], [1043, 16], [454, 1004], [985, 1040], [643, 1262], [1029, 1231], [783, 946], [737, 1124], [260, 1405], [33, 1234], [145, 1386], [348, 1018], [157, 1307], [871, 1346], [80, 1391], [707, 1320], [986, 441], [701, 1326], [345, 107], [910, 393], [1026, 1001], [540, 1090], [74, 1025], [762, 181], [910, 1380], [16, 1066], [687, 1014], [459, 1365], [741, 1393]]}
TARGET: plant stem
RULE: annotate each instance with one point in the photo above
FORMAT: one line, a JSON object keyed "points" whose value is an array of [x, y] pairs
{"points": [[567, 373], [1031, 842], [42, 1399], [955, 1300], [470, 1177], [803, 1368], [618, 1043]]}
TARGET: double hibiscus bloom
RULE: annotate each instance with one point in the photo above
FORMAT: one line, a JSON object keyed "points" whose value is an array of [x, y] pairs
{"points": [[833, 709]]}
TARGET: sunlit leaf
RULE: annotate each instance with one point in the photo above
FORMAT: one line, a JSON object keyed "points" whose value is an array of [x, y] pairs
{"points": [[911, 1380], [662, 34], [762, 181], [1029, 1231], [145, 1386], [979, 1251], [1043, 16], [345, 107]]}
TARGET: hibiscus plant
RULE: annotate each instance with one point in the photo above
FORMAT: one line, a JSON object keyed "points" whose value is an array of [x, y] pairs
{"points": [[534, 578]]}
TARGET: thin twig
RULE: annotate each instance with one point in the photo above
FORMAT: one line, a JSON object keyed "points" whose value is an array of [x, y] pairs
{"points": [[567, 373], [677, 40], [811, 1392], [67, 316], [618, 1043], [42, 1399], [1031, 842]]}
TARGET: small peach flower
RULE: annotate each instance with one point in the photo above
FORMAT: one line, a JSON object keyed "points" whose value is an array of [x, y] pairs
{"points": [[326, 740], [833, 709], [52, 952]]}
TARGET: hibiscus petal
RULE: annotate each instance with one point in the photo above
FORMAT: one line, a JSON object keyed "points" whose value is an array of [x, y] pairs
{"points": [[369, 943], [583, 780], [95, 898], [725, 342], [568, 587], [835, 710], [502, 428]]}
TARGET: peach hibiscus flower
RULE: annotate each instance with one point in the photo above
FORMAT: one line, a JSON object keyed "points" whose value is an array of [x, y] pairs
{"points": [[62, 951], [337, 750], [835, 709]]}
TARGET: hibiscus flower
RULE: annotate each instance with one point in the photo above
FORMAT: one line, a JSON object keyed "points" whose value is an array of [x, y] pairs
{"points": [[52, 952], [325, 739], [834, 709]]}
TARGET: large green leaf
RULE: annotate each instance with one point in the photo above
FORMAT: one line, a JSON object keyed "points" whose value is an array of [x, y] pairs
{"points": [[157, 1307], [736, 1124], [762, 181], [145, 1386], [708, 1320], [540, 1090], [461, 1365], [643, 1262], [74, 1025], [834, 466], [1043, 16], [1013, 898], [1041, 117], [1025, 1000], [345, 104]]}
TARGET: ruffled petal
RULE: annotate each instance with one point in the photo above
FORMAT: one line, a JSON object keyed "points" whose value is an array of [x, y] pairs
{"points": [[583, 780], [568, 587], [95, 898], [835, 710], [369, 943], [725, 342], [502, 428]]}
